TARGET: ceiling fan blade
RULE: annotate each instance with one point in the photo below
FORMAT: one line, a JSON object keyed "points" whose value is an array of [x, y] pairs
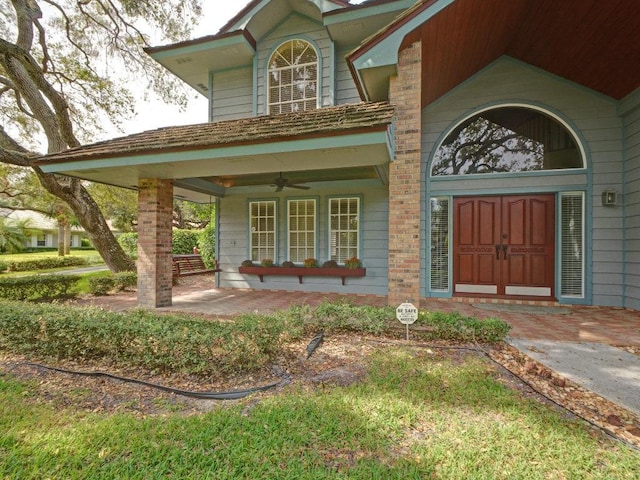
{"points": [[299, 187]]}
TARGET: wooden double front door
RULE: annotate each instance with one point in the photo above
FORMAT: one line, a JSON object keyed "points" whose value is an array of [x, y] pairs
{"points": [[504, 246]]}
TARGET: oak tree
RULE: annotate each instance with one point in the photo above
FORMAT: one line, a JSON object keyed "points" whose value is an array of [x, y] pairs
{"points": [[62, 78]]}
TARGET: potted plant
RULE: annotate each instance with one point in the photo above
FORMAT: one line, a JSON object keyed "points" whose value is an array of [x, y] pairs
{"points": [[267, 262], [353, 263], [310, 263]]}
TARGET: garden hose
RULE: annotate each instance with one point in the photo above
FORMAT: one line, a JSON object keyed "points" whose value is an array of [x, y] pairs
{"points": [[232, 395]]}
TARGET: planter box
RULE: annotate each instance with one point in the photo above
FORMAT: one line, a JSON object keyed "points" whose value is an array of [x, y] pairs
{"points": [[300, 272]]}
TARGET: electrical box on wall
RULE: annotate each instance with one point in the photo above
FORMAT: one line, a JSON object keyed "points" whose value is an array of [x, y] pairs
{"points": [[609, 198]]}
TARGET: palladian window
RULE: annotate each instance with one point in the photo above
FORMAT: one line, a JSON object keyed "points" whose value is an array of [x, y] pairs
{"points": [[507, 140], [293, 78]]}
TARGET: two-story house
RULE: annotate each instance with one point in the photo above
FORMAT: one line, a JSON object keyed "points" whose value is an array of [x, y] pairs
{"points": [[458, 148]]}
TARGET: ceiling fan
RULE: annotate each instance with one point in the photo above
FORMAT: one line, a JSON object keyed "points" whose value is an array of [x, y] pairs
{"points": [[281, 182]]}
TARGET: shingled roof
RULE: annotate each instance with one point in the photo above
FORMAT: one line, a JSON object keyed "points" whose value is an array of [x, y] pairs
{"points": [[314, 123]]}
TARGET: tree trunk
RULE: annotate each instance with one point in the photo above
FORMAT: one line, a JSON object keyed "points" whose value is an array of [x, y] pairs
{"points": [[60, 239], [90, 217], [67, 239]]}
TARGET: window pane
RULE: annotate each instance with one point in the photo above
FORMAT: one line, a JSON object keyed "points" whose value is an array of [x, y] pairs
{"points": [[508, 139], [302, 224], [572, 245], [262, 222], [439, 244], [294, 69], [344, 232]]}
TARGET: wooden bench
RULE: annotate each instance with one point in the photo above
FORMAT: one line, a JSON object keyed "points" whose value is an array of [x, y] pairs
{"points": [[184, 265]]}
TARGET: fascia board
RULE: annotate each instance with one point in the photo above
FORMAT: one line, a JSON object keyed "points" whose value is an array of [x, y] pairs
{"points": [[335, 141], [238, 38], [384, 52], [335, 17]]}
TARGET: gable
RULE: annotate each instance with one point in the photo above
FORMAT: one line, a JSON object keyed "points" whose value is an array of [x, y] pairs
{"points": [[592, 43]]}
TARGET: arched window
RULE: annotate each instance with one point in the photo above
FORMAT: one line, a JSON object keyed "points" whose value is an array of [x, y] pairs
{"points": [[507, 140], [293, 78]]}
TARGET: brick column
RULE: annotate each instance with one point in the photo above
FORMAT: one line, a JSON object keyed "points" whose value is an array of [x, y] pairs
{"points": [[155, 216], [405, 242]]}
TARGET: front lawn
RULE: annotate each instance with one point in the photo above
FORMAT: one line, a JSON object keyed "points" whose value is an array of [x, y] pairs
{"points": [[364, 405], [414, 415]]}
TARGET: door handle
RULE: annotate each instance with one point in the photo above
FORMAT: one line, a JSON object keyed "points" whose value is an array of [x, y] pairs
{"points": [[504, 250], [497, 252]]}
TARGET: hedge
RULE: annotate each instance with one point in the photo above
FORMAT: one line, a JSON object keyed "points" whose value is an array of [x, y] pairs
{"points": [[168, 343], [44, 263], [37, 287], [112, 282]]}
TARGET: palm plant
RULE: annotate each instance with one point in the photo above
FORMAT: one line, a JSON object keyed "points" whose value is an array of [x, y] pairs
{"points": [[13, 236]]}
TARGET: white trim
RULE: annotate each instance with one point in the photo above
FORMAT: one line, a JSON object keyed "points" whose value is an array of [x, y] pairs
{"points": [[485, 289], [528, 291]]}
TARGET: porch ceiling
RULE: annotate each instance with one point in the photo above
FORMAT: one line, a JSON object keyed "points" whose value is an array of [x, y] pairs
{"points": [[593, 43], [349, 142]]}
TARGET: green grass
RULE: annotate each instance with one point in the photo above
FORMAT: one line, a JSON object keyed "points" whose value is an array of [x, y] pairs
{"points": [[82, 287], [415, 416]]}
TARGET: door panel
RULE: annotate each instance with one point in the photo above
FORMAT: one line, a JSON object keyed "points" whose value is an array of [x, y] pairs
{"points": [[476, 221], [504, 245]]}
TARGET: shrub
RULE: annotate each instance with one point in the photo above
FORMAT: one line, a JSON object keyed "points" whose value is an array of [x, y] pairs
{"points": [[125, 280], [266, 262], [184, 241], [37, 287], [207, 244], [288, 264], [246, 263], [3, 266], [43, 263], [344, 317], [457, 327], [167, 343], [129, 243], [101, 285]]}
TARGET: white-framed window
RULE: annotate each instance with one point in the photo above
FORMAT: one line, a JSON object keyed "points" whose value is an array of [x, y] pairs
{"points": [[572, 244], [262, 225], [344, 228], [302, 221], [41, 240], [293, 78], [440, 227]]}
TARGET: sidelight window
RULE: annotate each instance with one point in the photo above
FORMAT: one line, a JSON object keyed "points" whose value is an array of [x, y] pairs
{"points": [[439, 244], [572, 244]]}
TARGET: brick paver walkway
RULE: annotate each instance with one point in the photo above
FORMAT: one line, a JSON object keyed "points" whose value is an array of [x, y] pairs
{"points": [[612, 326]]}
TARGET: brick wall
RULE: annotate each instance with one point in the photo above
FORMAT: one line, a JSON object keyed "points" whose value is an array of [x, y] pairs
{"points": [[155, 215], [405, 239]]}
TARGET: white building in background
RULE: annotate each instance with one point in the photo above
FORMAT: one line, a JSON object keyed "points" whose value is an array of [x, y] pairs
{"points": [[42, 230]]}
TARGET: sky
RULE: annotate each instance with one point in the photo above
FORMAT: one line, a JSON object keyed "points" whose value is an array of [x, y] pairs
{"points": [[154, 114]]}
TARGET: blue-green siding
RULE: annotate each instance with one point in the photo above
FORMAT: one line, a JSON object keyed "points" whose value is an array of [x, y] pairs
{"points": [[595, 120]]}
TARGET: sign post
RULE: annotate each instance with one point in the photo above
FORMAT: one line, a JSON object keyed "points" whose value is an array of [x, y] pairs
{"points": [[407, 313]]}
